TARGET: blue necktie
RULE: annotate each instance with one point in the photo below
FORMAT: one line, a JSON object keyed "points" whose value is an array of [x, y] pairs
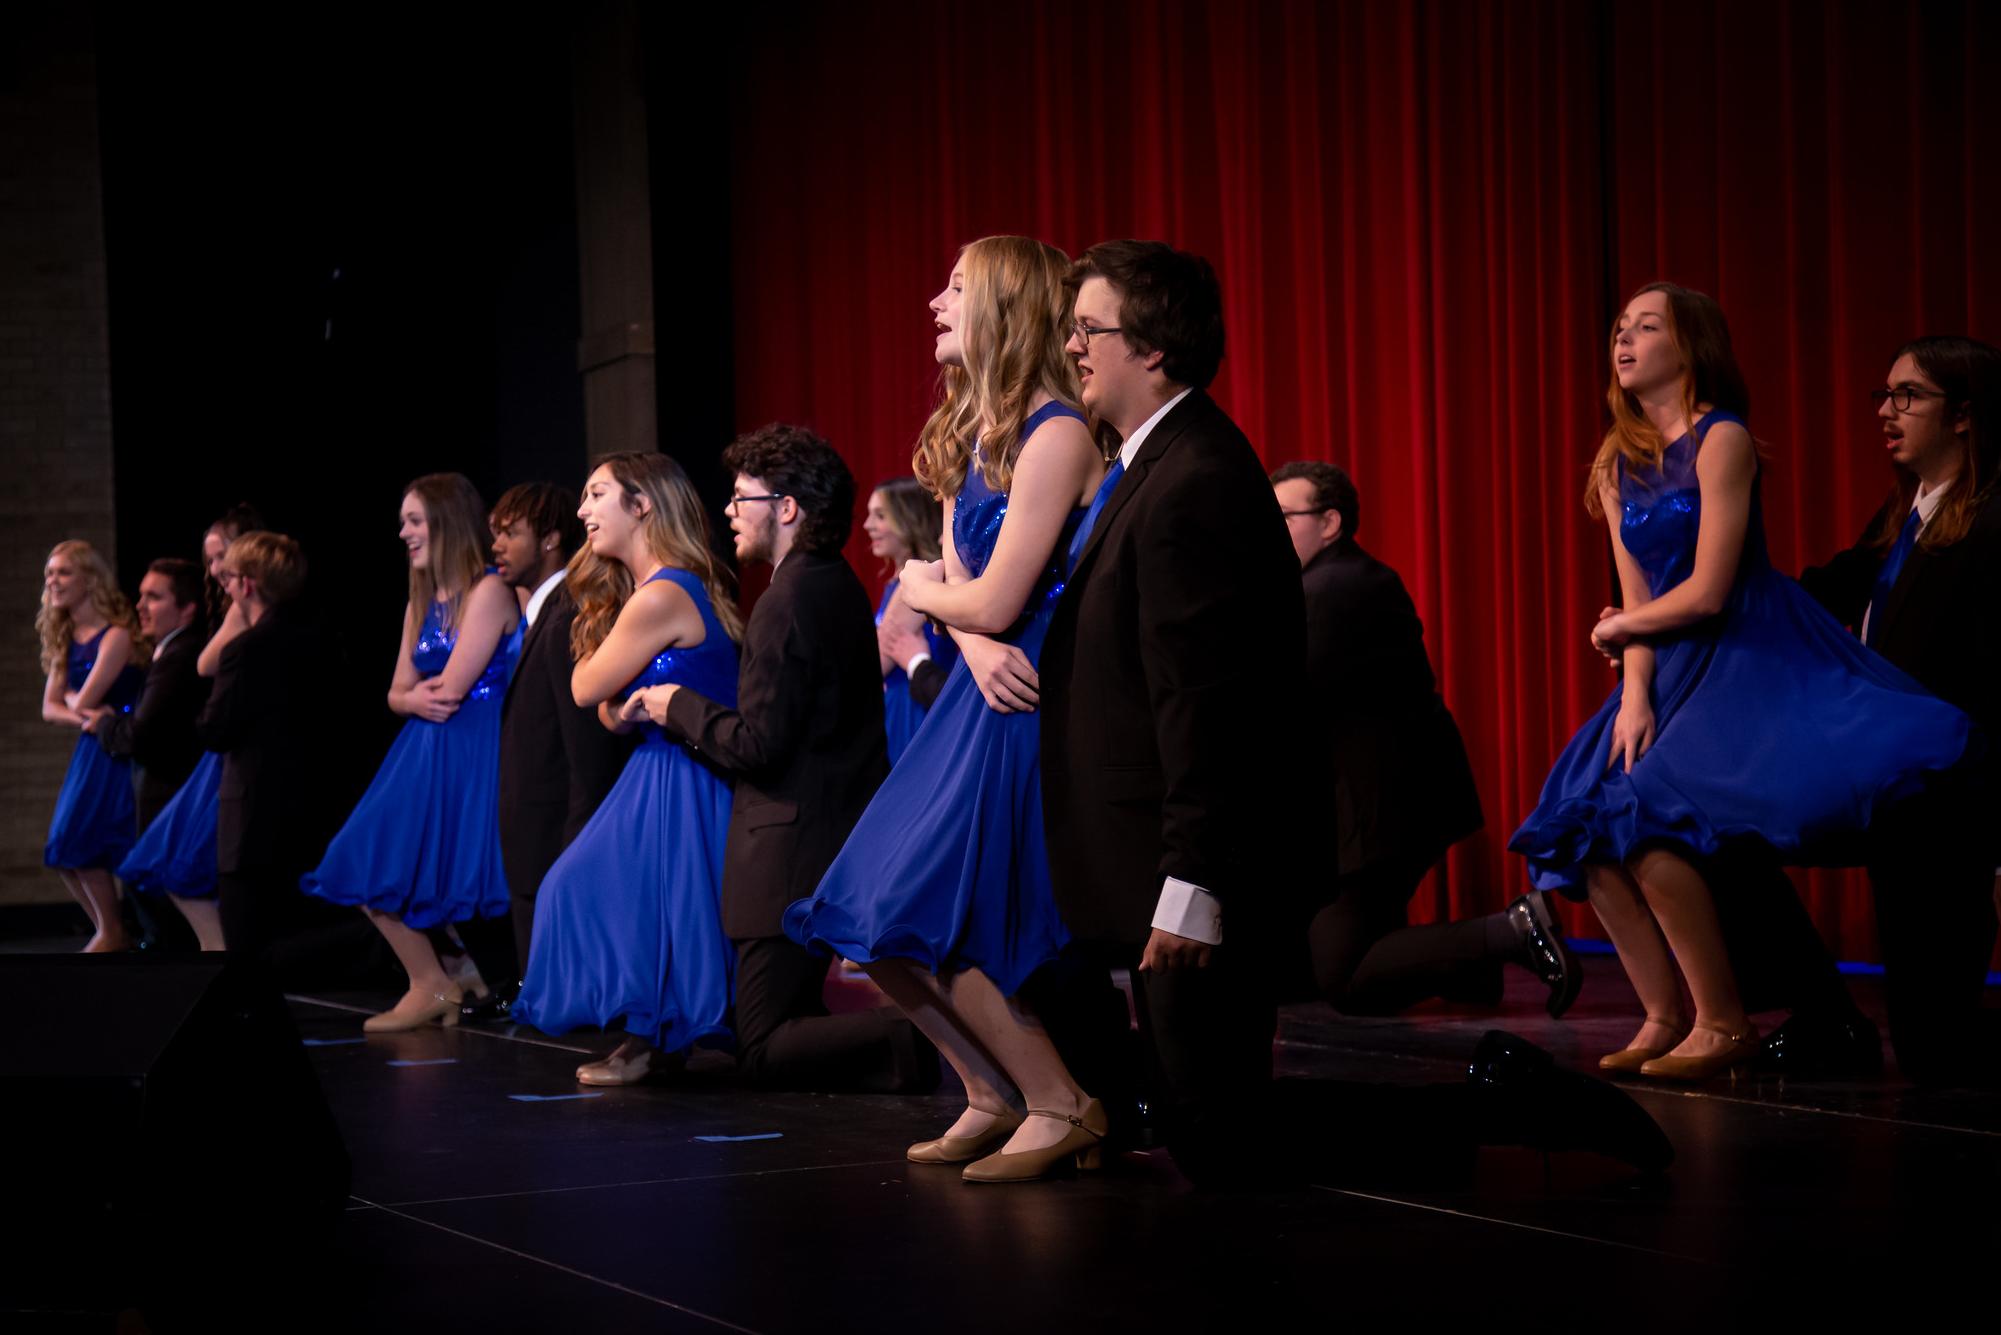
{"points": [[1090, 520], [1886, 578]]}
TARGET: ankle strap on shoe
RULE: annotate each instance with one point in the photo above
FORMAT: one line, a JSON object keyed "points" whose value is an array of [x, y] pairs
{"points": [[1075, 1121]]}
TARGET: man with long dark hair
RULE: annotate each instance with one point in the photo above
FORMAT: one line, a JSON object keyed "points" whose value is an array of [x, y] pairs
{"points": [[1918, 587]]}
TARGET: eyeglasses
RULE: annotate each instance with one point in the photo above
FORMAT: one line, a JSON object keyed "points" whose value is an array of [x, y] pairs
{"points": [[1317, 510], [1084, 333], [734, 501], [1902, 396]]}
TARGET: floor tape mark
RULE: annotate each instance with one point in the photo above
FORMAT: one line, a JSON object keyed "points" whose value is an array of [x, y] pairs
{"points": [[552, 1098]]}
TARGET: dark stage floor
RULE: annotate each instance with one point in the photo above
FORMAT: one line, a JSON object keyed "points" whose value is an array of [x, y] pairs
{"points": [[705, 1207], [489, 1197]]}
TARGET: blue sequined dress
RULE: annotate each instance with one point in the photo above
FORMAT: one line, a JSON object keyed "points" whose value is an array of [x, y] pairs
{"points": [[948, 866], [1773, 723], [901, 715], [176, 853], [628, 922], [96, 816], [423, 844]]}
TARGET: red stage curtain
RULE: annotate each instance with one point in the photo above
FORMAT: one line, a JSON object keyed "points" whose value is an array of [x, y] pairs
{"points": [[1423, 216], [1827, 172]]}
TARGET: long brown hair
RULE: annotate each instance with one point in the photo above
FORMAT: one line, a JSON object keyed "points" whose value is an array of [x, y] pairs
{"points": [[56, 628], [915, 515], [1709, 375], [1968, 373], [677, 534], [456, 533], [1017, 313]]}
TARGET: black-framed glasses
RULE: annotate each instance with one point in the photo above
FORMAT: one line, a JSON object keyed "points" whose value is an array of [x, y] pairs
{"points": [[1316, 510], [1902, 396], [735, 500], [1084, 333]]}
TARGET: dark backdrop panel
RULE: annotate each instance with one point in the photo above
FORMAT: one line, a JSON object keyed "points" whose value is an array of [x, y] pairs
{"points": [[342, 253]]}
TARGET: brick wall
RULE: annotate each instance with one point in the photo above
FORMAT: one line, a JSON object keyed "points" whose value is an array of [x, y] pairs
{"points": [[55, 390]]}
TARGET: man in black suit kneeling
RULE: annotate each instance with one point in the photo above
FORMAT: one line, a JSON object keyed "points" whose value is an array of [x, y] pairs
{"points": [[1403, 789], [806, 747]]}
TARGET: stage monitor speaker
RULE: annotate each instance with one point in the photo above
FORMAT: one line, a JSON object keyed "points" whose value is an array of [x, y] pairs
{"points": [[167, 1145]]}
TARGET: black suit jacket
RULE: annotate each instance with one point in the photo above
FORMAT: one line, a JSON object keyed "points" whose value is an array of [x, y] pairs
{"points": [[1942, 620], [927, 681], [557, 761], [1403, 788], [805, 743], [159, 733], [1171, 707], [273, 696]]}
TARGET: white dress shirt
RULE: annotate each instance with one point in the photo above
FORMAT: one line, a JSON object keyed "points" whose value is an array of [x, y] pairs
{"points": [[540, 596], [1145, 429]]}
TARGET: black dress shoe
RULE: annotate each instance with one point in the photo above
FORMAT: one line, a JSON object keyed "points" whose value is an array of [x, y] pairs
{"points": [[1527, 1099], [1543, 951], [1823, 1047], [496, 1007]]}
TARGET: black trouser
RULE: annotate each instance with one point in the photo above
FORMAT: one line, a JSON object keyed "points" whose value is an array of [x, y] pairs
{"points": [[1368, 960], [1933, 877], [531, 839], [1931, 871], [1778, 955], [1207, 1037], [787, 1040], [490, 942]]}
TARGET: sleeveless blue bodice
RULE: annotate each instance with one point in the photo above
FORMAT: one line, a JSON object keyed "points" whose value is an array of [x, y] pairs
{"points": [[978, 513], [1661, 513], [433, 649], [708, 668], [124, 692]]}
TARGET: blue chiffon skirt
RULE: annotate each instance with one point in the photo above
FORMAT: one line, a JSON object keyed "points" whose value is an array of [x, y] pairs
{"points": [[176, 854], [423, 844], [948, 866], [628, 922], [96, 817], [1772, 723]]}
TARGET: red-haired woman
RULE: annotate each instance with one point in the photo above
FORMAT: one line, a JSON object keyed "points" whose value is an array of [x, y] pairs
{"points": [[1745, 713]]}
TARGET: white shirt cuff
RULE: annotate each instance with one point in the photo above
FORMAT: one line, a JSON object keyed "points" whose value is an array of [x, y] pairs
{"points": [[921, 656], [1190, 911]]}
